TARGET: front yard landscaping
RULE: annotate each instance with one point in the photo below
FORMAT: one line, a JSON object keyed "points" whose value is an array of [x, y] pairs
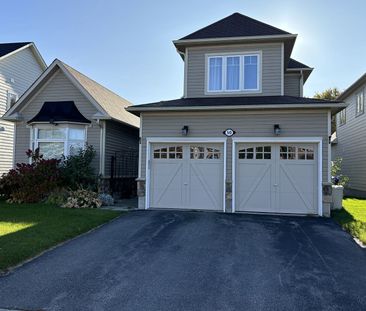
{"points": [[28, 229], [352, 217]]}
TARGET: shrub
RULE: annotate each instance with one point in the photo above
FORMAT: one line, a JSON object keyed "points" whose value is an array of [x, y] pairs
{"points": [[30, 183], [77, 171], [82, 198], [57, 197], [337, 177], [106, 199]]}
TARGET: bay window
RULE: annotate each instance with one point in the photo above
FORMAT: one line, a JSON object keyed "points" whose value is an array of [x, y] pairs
{"points": [[233, 73], [56, 141]]}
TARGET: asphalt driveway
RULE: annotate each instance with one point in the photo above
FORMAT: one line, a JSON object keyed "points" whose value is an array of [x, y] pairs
{"points": [[166, 260]]}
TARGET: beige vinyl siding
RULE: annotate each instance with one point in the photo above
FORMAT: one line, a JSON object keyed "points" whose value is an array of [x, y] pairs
{"points": [[294, 123], [119, 138], [24, 69], [271, 68], [58, 88], [292, 85], [352, 144]]}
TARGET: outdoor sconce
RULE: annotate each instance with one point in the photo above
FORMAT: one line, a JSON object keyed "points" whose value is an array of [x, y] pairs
{"points": [[185, 130], [277, 129], [2, 129]]}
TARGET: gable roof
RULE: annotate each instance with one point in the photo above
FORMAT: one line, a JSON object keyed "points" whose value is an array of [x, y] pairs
{"points": [[7, 49], [294, 64], [109, 104], [354, 86], [235, 25], [237, 102]]}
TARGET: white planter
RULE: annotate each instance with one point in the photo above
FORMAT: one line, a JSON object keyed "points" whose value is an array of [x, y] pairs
{"points": [[337, 196]]}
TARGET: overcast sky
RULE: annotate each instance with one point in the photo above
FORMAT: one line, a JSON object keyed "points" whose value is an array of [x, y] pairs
{"points": [[127, 45]]}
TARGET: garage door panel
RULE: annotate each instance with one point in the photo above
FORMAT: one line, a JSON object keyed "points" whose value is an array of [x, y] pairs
{"points": [[167, 178], [187, 176], [281, 180], [206, 188], [255, 189]]}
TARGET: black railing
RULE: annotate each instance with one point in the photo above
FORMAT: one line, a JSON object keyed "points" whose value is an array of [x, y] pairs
{"points": [[123, 172]]}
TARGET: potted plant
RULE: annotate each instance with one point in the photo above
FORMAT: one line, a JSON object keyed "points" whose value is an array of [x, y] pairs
{"points": [[339, 181]]}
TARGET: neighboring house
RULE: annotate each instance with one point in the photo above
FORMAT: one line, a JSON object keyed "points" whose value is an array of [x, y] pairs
{"points": [[65, 110], [349, 142], [20, 65], [242, 138]]}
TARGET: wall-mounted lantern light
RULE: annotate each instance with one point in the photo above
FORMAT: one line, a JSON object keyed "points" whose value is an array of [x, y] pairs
{"points": [[185, 130], [277, 129], [2, 129]]}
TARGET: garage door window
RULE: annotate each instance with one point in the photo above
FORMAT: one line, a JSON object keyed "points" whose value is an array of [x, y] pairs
{"points": [[260, 153], [296, 153], [202, 152], [172, 152]]}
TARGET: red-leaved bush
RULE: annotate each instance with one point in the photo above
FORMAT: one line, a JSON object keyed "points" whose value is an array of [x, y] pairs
{"points": [[30, 183]]}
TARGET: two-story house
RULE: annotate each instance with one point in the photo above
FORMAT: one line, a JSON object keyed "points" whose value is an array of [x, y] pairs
{"points": [[350, 141], [242, 138], [20, 65]]}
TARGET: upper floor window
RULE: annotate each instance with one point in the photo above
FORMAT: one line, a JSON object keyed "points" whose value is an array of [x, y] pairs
{"points": [[359, 103], [342, 117], [233, 73], [11, 99]]}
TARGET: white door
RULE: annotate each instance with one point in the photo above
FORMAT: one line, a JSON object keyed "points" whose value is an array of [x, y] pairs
{"points": [[276, 178], [187, 176]]}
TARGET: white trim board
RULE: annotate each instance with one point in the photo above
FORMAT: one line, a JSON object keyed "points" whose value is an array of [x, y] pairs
{"points": [[172, 140], [314, 140]]}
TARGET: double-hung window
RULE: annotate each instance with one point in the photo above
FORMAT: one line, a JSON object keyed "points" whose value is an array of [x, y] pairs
{"points": [[360, 103], [234, 73], [60, 140], [342, 117]]}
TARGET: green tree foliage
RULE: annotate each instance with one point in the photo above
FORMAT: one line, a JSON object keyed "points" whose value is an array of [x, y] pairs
{"points": [[330, 94]]}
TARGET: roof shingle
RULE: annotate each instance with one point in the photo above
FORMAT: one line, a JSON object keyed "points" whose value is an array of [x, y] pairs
{"points": [[235, 25]]}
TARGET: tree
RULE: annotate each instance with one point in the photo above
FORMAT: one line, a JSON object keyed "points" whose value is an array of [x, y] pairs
{"points": [[331, 94]]}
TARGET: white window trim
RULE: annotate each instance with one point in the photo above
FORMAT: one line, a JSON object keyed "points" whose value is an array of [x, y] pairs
{"points": [[241, 89], [35, 140], [361, 104], [8, 94], [173, 140], [314, 140]]}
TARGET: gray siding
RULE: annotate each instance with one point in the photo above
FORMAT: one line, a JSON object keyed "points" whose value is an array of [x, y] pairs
{"points": [[119, 138], [292, 85], [58, 88], [309, 123], [271, 68], [24, 69], [352, 144]]}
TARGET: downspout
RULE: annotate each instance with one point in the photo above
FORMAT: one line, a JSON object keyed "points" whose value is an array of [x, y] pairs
{"points": [[301, 83]]}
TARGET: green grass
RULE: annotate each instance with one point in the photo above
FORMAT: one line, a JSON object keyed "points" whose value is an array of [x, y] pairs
{"points": [[352, 217], [28, 229]]}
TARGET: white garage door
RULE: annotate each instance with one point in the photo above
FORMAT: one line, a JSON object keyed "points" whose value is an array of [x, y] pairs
{"points": [[276, 178], [187, 176]]}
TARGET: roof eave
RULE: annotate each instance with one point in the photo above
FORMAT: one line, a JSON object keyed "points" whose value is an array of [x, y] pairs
{"points": [[335, 107]]}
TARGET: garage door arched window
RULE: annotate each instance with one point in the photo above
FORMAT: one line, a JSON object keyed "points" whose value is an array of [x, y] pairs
{"points": [[168, 152], [204, 152]]}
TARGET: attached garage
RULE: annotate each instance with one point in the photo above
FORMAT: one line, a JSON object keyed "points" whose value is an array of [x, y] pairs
{"points": [[187, 175], [281, 177]]}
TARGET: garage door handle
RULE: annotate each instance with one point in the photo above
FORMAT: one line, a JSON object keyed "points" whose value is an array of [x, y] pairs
{"points": [[186, 184], [275, 185]]}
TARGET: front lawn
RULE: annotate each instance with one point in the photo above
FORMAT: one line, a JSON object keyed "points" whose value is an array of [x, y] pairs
{"points": [[353, 217], [28, 229]]}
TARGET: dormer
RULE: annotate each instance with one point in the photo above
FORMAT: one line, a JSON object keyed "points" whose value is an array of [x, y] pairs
{"points": [[240, 56]]}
